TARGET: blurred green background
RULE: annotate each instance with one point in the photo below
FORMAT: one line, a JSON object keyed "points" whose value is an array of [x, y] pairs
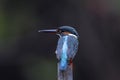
{"points": [[26, 54]]}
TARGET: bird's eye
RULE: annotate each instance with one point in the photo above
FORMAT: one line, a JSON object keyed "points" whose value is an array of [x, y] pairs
{"points": [[59, 31]]}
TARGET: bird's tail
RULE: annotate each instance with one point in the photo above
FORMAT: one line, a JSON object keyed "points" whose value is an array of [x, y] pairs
{"points": [[63, 64]]}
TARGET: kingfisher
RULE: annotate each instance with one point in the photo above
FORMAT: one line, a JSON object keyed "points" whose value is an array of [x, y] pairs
{"points": [[67, 46]]}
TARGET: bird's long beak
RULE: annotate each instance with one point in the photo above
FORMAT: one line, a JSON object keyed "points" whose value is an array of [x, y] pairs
{"points": [[48, 31]]}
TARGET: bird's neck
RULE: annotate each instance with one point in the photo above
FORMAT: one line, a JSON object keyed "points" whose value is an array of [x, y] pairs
{"points": [[73, 35], [61, 35]]}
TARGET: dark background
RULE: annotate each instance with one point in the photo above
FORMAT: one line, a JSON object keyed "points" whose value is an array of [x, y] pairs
{"points": [[26, 54]]}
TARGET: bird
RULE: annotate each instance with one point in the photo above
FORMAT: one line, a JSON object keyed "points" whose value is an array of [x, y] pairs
{"points": [[67, 45]]}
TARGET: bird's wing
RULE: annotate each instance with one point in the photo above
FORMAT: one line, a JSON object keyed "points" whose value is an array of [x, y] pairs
{"points": [[72, 47]]}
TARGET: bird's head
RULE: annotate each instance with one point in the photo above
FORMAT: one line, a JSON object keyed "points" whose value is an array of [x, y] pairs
{"points": [[63, 30]]}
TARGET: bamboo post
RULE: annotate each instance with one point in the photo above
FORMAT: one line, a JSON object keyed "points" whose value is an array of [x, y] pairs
{"points": [[67, 75]]}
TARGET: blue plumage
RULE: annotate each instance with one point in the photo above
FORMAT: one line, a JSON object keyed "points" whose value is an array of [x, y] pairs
{"points": [[63, 62], [66, 49]]}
